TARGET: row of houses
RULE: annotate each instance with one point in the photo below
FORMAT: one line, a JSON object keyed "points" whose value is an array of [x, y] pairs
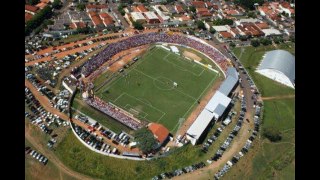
{"points": [[30, 11], [243, 27]]}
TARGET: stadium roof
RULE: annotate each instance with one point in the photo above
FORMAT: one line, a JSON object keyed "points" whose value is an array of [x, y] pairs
{"points": [[230, 82], [281, 61], [217, 104], [228, 85], [199, 125], [159, 131], [231, 71]]}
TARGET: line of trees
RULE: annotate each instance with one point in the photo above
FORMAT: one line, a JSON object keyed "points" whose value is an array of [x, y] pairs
{"points": [[38, 19], [224, 21]]}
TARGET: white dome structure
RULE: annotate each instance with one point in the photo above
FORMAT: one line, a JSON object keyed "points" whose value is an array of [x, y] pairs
{"points": [[278, 65]]}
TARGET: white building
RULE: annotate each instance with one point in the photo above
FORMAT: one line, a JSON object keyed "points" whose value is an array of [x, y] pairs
{"points": [[271, 32], [138, 17], [278, 65], [221, 28]]}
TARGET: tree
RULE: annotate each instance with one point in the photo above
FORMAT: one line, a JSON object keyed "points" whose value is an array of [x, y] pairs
{"points": [[265, 41], [292, 38], [224, 21], [278, 39], [272, 134], [243, 37], [201, 25], [252, 14], [232, 44], [33, 2], [212, 30], [37, 19], [192, 9], [142, 1], [249, 4], [255, 43], [56, 4], [145, 140], [137, 25], [81, 7]]}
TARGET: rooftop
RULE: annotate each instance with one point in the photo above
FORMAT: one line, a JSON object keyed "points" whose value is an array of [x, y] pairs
{"points": [[159, 131]]}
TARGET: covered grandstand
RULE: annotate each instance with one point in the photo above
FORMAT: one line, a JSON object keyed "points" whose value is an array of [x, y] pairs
{"points": [[278, 65], [215, 108]]}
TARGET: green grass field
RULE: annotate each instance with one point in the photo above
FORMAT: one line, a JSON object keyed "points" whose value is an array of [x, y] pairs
{"points": [[146, 89], [250, 57], [79, 158], [267, 160]]}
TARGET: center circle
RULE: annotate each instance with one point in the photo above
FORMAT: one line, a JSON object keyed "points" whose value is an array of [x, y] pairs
{"points": [[163, 83]]}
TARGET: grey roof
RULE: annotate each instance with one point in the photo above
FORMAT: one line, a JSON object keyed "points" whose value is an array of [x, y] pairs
{"points": [[228, 85], [218, 99], [279, 60], [231, 71], [220, 109]]}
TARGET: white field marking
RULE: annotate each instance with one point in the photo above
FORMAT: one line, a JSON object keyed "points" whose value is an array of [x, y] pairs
{"points": [[130, 107], [196, 101], [118, 97], [155, 79], [182, 68], [146, 104]]}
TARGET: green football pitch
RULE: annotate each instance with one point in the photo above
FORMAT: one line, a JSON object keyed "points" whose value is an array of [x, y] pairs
{"points": [[147, 90]]}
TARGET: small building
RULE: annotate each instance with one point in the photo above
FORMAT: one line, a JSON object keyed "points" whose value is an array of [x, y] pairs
{"points": [[179, 9], [271, 32], [138, 17], [141, 8], [160, 132], [151, 17], [30, 9]]}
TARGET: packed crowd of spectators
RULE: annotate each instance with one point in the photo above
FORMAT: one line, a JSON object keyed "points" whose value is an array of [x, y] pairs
{"points": [[114, 113], [148, 38]]}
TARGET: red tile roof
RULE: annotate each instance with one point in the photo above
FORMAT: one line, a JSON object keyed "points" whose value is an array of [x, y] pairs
{"points": [[96, 6], [285, 5], [209, 4], [41, 5], [225, 34], [141, 8], [45, 1], [30, 8], [27, 17], [198, 4], [179, 8], [105, 15], [202, 10], [215, 7], [76, 25], [107, 21], [205, 13], [262, 25], [232, 12], [159, 131]]}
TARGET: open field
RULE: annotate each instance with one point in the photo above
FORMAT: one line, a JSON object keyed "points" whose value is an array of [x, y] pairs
{"points": [[146, 89], [250, 57], [265, 159]]}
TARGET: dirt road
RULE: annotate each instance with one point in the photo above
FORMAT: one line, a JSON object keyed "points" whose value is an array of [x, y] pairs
{"points": [[278, 97], [238, 142]]}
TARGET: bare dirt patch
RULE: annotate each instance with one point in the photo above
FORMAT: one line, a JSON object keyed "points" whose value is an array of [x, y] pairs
{"points": [[191, 55], [203, 102]]}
